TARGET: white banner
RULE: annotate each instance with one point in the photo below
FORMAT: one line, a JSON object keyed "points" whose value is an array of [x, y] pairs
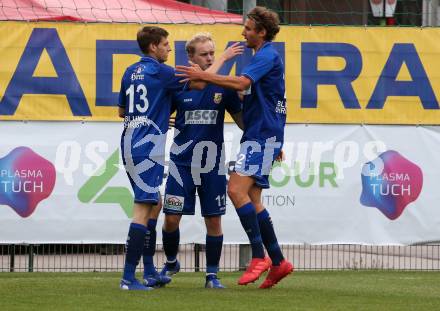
{"points": [[63, 182]]}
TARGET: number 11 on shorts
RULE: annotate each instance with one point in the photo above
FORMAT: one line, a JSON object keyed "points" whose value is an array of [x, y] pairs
{"points": [[221, 200]]}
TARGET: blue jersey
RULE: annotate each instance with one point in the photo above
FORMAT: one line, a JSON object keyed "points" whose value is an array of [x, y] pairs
{"points": [[200, 117], [146, 90], [264, 106]]}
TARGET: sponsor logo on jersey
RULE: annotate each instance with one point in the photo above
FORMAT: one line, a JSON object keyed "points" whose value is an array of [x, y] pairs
{"points": [[281, 107], [187, 100], [136, 75], [218, 98], [174, 202], [201, 117]]}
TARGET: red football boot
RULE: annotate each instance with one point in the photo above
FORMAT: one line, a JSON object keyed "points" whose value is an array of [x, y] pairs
{"points": [[256, 268], [277, 273]]}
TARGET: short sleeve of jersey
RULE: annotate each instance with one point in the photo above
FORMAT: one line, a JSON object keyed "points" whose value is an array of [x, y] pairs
{"points": [[171, 82], [122, 97], [260, 64], [232, 102]]}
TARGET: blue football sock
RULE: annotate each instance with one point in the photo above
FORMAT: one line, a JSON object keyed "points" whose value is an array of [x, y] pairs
{"points": [[269, 237], [214, 246], [134, 247], [171, 242], [150, 248], [248, 219]]}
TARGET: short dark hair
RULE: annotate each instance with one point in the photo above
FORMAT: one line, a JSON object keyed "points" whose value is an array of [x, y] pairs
{"points": [[150, 35], [267, 19]]}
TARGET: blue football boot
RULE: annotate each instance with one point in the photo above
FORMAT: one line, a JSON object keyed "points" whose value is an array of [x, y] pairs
{"points": [[170, 269], [133, 285], [213, 282], [156, 280]]}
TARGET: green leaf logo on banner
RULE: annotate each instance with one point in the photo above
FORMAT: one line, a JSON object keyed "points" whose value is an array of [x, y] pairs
{"points": [[96, 183]]}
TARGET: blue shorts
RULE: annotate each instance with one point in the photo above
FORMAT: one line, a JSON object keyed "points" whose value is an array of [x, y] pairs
{"points": [[181, 199], [146, 184], [255, 160]]}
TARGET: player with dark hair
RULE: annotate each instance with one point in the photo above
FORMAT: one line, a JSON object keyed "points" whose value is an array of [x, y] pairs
{"points": [[264, 117], [145, 103]]}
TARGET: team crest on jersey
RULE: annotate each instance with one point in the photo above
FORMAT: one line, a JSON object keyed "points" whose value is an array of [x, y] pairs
{"points": [[218, 98]]}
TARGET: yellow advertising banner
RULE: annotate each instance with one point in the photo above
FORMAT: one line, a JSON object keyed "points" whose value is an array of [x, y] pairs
{"points": [[72, 71]]}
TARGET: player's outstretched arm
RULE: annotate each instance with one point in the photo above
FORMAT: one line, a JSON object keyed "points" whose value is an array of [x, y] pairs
{"points": [[189, 73], [195, 84], [232, 51]]}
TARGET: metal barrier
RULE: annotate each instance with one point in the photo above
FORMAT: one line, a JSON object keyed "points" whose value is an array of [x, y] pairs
{"points": [[110, 257]]}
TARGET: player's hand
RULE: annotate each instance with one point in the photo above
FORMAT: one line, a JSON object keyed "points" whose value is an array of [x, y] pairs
{"points": [[189, 73], [280, 157], [235, 49], [172, 122], [195, 66]]}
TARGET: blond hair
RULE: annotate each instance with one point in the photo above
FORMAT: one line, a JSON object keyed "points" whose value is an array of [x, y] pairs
{"points": [[190, 46]]}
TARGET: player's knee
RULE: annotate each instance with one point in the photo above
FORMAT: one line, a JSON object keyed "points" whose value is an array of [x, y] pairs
{"points": [[141, 213], [213, 222], [213, 225], [234, 191], [155, 211], [171, 223]]}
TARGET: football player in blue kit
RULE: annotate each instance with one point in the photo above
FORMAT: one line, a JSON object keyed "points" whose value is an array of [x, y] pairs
{"points": [[145, 104], [264, 117], [200, 166]]}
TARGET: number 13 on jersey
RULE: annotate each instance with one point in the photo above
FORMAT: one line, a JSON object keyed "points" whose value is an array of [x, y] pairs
{"points": [[142, 103]]}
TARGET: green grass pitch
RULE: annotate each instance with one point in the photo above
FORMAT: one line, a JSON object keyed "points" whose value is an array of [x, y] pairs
{"points": [[314, 291]]}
